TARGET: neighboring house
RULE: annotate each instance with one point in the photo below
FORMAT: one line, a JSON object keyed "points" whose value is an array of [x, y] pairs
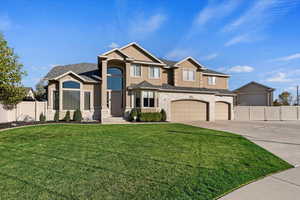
{"points": [[254, 94], [29, 94], [131, 77]]}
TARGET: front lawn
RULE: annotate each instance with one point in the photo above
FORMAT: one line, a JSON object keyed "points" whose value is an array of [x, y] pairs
{"points": [[153, 161]]}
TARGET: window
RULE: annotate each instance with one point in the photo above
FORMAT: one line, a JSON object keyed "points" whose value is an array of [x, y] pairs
{"points": [[154, 72], [137, 99], [55, 100], [135, 70], [114, 79], [148, 98], [71, 84], [87, 100], [71, 99], [211, 80], [189, 75]]}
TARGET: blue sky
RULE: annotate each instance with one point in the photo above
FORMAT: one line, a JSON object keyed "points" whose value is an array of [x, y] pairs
{"points": [[255, 40]]}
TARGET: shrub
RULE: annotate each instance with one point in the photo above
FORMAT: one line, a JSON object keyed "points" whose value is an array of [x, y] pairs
{"points": [[163, 115], [150, 117], [133, 113], [67, 117], [42, 117], [56, 116], [77, 115]]}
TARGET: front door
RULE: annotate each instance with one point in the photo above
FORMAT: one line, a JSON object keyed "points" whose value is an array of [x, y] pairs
{"points": [[116, 103]]}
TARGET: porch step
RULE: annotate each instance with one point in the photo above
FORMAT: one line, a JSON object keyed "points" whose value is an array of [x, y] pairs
{"points": [[115, 120]]}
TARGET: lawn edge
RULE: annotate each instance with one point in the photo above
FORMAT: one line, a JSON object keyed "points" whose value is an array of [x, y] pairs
{"points": [[252, 181]]}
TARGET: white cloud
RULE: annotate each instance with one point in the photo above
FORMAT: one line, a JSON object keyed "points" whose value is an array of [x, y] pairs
{"points": [[280, 77], [261, 13], [238, 39], [178, 54], [216, 11], [288, 58], [240, 69], [210, 56], [5, 23], [142, 27], [113, 45]]}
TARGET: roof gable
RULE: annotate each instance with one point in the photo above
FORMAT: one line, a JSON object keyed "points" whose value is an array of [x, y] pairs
{"points": [[253, 84], [190, 59], [115, 53], [139, 53]]}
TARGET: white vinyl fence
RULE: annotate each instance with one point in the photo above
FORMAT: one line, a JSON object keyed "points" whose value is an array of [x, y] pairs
{"points": [[29, 110], [266, 113]]}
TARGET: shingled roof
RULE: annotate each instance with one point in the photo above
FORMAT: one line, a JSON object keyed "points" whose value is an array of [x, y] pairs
{"points": [[168, 87], [171, 64], [87, 71]]}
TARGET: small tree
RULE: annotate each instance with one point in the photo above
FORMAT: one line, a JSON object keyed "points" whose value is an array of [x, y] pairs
{"points": [[163, 115], [77, 115], [56, 116], [42, 117], [40, 91], [133, 114], [11, 91], [285, 98], [67, 117]]}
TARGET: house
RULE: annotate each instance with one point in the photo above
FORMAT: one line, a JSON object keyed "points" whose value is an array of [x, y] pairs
{"points": [[29, 94], [132, 77], [254, 94]]}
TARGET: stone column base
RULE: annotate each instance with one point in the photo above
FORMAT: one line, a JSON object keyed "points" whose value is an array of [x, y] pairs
{"points": [[104, 114]]}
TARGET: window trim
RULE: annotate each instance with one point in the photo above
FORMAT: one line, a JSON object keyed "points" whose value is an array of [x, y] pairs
{"points": [[84, 91], [132, 70], [188, 70], [212, 83], [70, 89], [159, 72]]}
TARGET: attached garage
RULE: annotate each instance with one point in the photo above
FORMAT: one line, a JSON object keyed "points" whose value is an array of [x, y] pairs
{"points": [[189, 110], [222, 111]]}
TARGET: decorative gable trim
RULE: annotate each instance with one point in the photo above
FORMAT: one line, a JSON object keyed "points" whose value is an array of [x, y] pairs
{"points": [[192, 59], [70, 72], [144, 50], [112, 50]]}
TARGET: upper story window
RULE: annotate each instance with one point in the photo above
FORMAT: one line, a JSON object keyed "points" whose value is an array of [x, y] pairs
{"points": [[135, 70], [154, 72], [189, 75], [71, 85], [114, 78], [211, 80]]}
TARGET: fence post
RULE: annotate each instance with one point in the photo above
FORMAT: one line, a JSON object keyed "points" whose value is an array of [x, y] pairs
{"points": [[249, 113], [280, 113], [265, 113]]}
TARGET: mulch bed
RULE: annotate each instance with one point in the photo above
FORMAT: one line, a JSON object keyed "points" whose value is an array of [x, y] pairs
{"points": [[19, 124]]}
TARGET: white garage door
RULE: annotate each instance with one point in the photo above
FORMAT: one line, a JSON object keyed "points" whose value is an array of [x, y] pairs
{"points": [[189, 110], [222, 111]]}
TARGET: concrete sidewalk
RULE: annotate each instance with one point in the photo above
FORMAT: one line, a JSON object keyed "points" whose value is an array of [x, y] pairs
{"points": [[281, 186], [282, 138]]}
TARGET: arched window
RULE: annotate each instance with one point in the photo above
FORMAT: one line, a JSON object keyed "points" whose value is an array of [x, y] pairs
{"points": [[114, 78], [71, 85]]}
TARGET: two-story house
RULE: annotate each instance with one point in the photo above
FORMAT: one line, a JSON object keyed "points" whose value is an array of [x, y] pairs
{"points": [[131, 77]]}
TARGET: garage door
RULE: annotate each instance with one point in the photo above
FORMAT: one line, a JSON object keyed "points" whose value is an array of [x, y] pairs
{"points": [[222, 111], [188, 110]]}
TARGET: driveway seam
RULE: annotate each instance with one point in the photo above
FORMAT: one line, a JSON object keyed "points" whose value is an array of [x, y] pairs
{"points": [[285, 181]]}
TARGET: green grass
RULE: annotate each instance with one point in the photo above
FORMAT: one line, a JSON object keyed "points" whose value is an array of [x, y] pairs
{"points": [[153, 161]]}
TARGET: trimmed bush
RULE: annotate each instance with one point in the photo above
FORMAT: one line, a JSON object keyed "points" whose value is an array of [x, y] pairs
{"points": [[133, 113], [77, 117], [56, 116], [67, 117], [150, 117], [163, 115], [42, 117]]}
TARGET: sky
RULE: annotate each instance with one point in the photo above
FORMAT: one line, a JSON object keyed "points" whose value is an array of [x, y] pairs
{"points": [[256, 40]]}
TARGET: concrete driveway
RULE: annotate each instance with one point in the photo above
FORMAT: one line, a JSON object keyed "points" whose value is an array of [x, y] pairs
{"points": [[282, 138]]}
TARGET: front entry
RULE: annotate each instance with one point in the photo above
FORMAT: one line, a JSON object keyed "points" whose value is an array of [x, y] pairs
{"points": [[114, 92], [116, 103]]}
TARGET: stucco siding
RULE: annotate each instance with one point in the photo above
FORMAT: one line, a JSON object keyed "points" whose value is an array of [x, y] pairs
{"points": [[221, 82]]}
